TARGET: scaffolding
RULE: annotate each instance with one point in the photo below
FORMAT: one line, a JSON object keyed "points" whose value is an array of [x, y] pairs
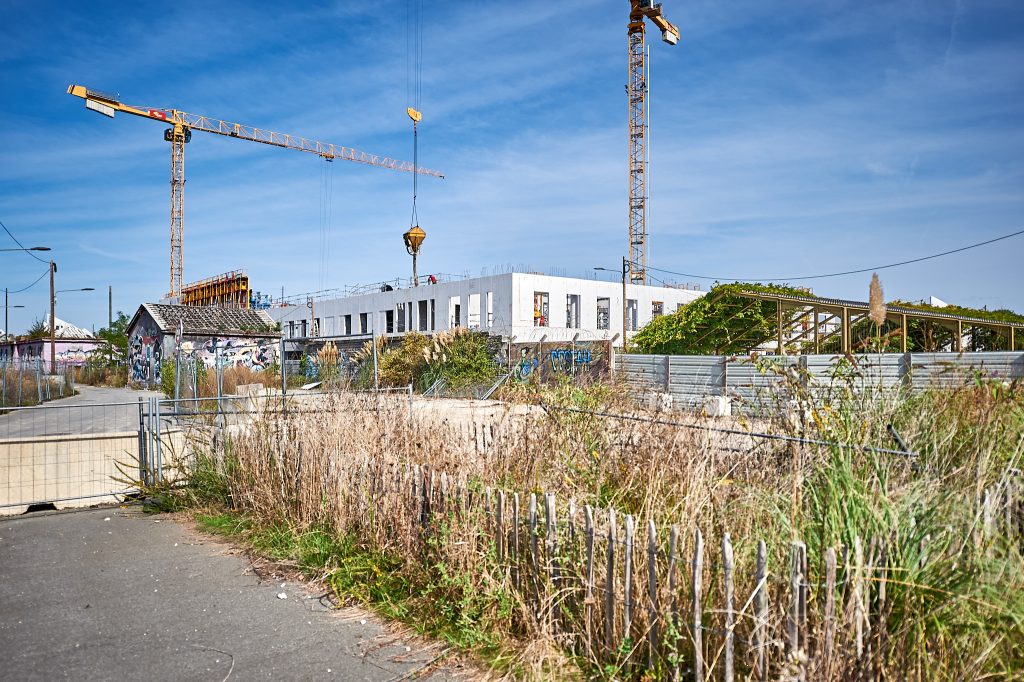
{"points": [[227, 290]]}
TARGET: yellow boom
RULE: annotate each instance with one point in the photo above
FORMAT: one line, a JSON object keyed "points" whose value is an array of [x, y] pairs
{"points": [[180, 132]]}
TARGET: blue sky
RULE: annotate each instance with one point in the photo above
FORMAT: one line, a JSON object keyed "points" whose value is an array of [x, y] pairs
{"points": [[788, 138]]}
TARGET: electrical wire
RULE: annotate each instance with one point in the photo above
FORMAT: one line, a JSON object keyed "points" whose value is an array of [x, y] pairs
{"points": [[838, 274], [30, 285], [20, 244]]}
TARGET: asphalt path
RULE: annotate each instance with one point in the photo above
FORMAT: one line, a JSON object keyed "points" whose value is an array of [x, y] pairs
{"points": [[93, 410], [110, 594]]}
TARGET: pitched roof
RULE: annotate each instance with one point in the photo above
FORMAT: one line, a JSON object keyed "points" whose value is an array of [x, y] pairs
{"points": [[211, 320], [66, 330]]}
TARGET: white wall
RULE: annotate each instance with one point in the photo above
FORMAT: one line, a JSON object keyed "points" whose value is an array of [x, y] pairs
{"points": [[512, 305]]}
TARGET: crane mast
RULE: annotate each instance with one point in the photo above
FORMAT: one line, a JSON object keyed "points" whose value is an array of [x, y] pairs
{"points": [[180, 133], [636, 90]]}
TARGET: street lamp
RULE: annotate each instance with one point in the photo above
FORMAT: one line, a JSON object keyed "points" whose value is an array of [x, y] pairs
{"points": [[7, 306], [53, 324], [31, 248], [625, 336]]}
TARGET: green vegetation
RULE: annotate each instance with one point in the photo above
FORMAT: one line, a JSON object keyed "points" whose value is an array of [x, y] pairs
{"points": [[38, 330], [953, 605], [718, 323], [461, 357], [725, 323]]}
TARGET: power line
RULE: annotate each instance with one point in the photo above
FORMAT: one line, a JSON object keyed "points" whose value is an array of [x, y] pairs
{"points": [[837, 274], [20, 244], [30, 285]]}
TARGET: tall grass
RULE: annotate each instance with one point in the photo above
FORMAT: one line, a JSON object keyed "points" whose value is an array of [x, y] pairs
{"points": [[946, 600]]}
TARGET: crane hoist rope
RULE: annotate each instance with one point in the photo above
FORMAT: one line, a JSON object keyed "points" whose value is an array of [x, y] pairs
{"points": [[180, 133]]}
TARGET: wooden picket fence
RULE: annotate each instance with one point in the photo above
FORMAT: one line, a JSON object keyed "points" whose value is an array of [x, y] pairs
{"points": [[637, 597]]}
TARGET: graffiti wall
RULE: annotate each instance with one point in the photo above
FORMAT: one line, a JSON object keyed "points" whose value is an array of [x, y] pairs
{"points": [[254, 353], [545, 361], [145, 352]]}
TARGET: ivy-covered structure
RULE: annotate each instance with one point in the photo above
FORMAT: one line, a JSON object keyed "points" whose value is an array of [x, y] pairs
{"points": [[739, 318]]}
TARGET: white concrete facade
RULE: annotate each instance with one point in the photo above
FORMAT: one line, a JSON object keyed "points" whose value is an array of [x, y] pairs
{"points": [[507, 305]]}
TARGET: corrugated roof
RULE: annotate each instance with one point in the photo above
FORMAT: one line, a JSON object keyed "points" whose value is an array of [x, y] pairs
{"points": [[212, 320]]}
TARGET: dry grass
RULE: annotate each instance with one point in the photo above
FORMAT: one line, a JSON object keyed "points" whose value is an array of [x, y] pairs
{"points": [[940, 599]]}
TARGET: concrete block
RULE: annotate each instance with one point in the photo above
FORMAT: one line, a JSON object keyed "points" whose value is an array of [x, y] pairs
{"points": [[718, 406], [659, 401]]}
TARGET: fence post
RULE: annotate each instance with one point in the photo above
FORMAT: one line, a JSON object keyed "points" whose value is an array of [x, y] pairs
{"points": [[143, 475], [761, 612], [652, 593], [698, 609], [830, 611], [725, 376], [550, 517], [609, 588], [730, 616], [588, 598], [858, 595], [627, 610], [534, 561], [159, 443], [673, 543], [516, 579], [499, 533]]}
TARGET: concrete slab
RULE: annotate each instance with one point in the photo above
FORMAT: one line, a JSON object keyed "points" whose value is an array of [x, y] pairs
{"points": [[110, 594]]}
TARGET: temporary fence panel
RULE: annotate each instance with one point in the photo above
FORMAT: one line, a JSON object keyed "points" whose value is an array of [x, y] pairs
{"points": [[83, 454], [755, 384]]}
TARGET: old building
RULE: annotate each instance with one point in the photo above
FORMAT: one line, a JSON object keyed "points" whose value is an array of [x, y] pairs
{"points": [[216, 336]]}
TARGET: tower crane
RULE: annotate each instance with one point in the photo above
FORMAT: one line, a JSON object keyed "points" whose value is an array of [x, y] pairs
{"points": [[180, 133], [636, 90]]}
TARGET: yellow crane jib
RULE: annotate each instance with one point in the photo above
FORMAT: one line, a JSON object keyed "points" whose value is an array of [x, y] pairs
{"points": [[180, 133]]}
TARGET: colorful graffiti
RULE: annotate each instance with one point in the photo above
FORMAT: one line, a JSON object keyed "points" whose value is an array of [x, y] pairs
{"points": [[144, 354], [568, 360], [255, 354]]}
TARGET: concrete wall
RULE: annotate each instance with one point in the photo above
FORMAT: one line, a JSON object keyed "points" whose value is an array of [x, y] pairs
{"points": [[511, 310], [71, 471]]}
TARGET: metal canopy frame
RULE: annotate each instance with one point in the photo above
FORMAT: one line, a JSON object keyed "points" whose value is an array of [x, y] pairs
{"points": [[831, 317]]}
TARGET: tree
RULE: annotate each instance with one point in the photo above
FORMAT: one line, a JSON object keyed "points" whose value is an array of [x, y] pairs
{"points": [[38, 330], [115, 350]]}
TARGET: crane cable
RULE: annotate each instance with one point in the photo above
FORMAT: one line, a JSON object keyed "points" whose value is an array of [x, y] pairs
{"points": [[413, 87]]}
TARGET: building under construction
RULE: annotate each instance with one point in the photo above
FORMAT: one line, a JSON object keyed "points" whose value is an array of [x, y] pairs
{"points": [[228, 290]]}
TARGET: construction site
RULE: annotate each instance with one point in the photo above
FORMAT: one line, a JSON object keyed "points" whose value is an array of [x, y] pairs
{"points": [[616, 466]]}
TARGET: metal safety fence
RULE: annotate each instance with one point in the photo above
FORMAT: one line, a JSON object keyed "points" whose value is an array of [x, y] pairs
{"points": [[28, 381], [754, 383], [83, 454]]}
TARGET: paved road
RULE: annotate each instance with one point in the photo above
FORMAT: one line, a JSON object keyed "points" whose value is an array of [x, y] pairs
{"points": [[110, 595], [89, 412]]}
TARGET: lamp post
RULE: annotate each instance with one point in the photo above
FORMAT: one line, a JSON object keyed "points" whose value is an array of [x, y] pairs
{"points": [[413, 241], [7, 306], [625, 328], [7, 330], [53, 324]]}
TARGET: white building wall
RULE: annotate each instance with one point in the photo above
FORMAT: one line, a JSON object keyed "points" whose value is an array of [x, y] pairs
{"points": [[512, 297]]}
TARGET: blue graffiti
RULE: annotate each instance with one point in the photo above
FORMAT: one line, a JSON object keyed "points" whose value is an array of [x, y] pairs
{"points": [[566, 361]]}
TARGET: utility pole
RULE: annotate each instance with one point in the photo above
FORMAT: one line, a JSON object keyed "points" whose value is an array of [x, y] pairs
{"points": [[110, 306], [625, 313], [53, 328]]}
